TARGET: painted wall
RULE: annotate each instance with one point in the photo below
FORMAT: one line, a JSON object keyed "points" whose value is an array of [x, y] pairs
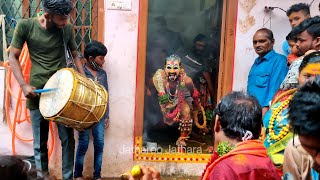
{"points": [[249, 21], [121, 29]]}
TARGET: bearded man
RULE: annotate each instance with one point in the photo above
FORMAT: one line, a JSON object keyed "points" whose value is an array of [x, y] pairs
{"points": [[47, 36]]}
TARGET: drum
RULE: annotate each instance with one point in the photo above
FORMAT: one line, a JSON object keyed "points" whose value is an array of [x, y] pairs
{"points": [[78, 102]]}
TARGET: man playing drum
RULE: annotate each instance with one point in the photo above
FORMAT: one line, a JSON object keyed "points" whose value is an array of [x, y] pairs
{"points": [[45, 37]]}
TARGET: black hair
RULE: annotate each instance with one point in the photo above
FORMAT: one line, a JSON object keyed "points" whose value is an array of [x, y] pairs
{"points": [[269, 33], [310, 58], [59, 7], [239, 112], [305, 8], [200, 37], [311, 25], [290, 37], [94, 49], [171, 57], [304, 109], [13, 168]]}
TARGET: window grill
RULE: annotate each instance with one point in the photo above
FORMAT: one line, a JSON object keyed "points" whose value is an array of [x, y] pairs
{"points": [[84, 18]]}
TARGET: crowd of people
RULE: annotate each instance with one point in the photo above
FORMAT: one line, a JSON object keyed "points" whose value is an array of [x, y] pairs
{"points": [[270, 132], [275, 80]]}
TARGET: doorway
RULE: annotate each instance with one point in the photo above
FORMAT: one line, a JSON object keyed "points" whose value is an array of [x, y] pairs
{"points": [[178, 27]]}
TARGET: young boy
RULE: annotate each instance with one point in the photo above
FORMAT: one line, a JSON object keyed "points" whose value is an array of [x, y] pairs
{"points": [[293, 48], [94, 53]]}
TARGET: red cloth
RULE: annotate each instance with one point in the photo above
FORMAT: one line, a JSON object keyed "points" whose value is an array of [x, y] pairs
{"points": [[247, 161], [195, 97], [291, 58]]}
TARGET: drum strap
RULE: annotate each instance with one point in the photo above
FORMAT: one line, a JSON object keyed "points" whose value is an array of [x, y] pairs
{"points": [[68, 54]]}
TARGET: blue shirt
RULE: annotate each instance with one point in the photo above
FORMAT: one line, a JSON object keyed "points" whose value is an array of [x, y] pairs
{"points": [[102, 79], [266, 75], [286, 48]]}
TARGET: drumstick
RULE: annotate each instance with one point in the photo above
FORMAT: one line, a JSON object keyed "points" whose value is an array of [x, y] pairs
{"points": [[45, 90]]}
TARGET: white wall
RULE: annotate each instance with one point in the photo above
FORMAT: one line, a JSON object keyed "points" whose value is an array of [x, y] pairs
{"points": [[121, 30], [279, 24]]}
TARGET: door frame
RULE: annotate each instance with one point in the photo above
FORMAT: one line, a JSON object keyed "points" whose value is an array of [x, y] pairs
{"points": [[225, 78]]}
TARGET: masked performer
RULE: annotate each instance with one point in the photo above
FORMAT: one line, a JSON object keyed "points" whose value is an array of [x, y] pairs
{"points": [[174, 89]]}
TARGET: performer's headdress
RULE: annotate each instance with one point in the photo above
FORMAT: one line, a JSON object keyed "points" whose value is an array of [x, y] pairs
{"points": [[173, 57]]}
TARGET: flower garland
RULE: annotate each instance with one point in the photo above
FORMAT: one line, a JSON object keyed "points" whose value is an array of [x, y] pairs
{"points": [[222, 149], [288, 92], [172, 97], [176, 113], [196, 120], [275, 112], [158, 82], [164, 97]]}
